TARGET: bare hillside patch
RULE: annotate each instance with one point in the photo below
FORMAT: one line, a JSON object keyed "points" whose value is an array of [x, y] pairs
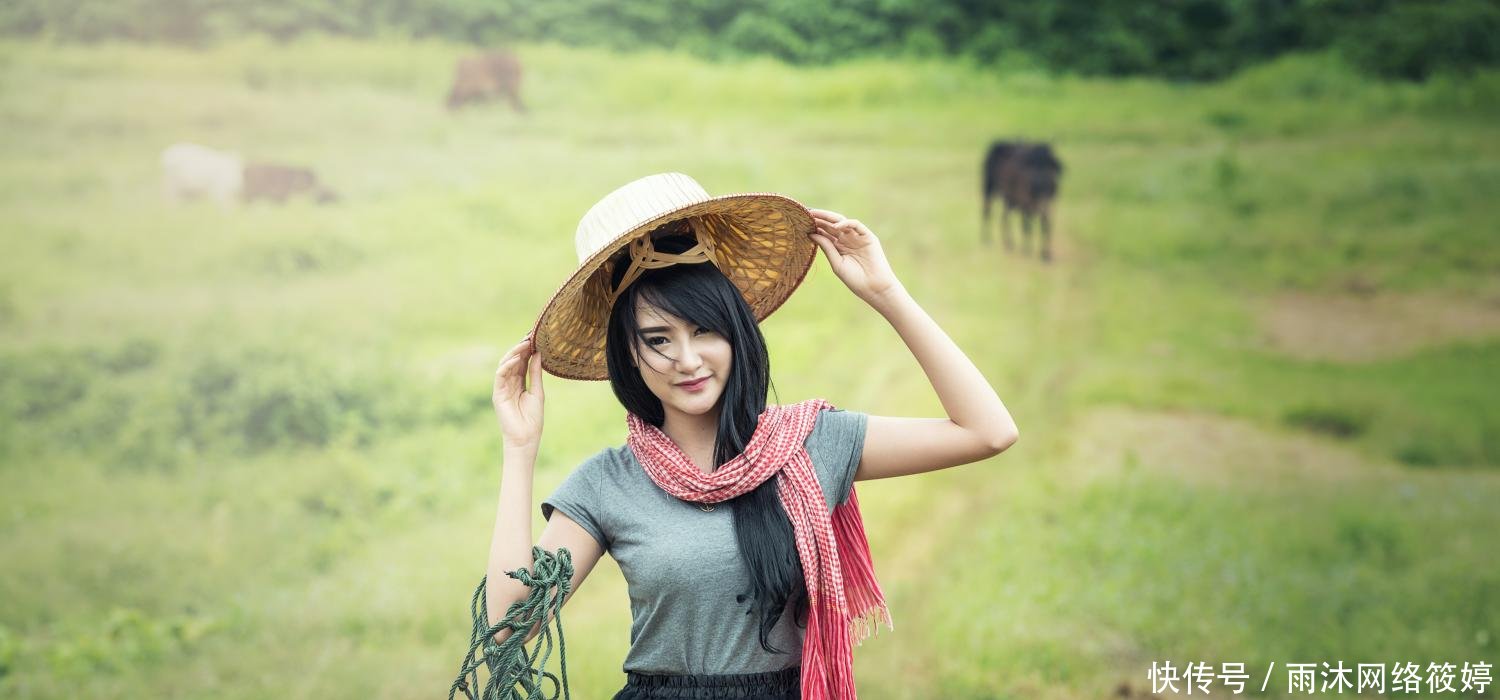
{"points": [[1211, 450], [1371, 328]]}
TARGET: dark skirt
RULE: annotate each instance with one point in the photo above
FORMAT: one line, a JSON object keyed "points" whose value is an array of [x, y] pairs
{"points": [[785, 684]]}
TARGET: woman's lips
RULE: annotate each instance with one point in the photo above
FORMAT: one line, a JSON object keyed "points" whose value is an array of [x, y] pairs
{"points": [[694, 386]]}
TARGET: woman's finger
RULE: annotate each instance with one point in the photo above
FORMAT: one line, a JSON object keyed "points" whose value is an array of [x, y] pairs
{"points": [[508, 370], [516, 349], [852, 227], [505, 387], [827, 245], [515, 352], [826, 215], [830, 227], [840, 233], [534, 375], [838, 239], [510, 375]]}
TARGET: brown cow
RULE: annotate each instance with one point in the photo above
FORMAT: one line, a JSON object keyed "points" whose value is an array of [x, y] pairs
{"points": [[1024, 175], [279, 182], [486, 76]]}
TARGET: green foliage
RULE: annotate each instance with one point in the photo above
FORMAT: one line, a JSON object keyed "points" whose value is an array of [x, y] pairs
{"points": [[759, 34], [1198, 39], [1417, 39]]}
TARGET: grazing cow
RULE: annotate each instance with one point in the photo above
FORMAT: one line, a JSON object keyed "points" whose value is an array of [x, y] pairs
{"points": [[485, 76], [190, 170], [278, 182], [1024, 175]]}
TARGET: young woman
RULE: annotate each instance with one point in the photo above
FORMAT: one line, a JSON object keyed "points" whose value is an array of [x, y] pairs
{"points": [[734, 522]]}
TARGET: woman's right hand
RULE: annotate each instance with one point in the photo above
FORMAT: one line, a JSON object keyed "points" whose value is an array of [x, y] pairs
{"points": [[518, 409]]}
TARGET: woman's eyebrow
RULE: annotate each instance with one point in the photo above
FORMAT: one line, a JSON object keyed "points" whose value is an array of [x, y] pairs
{"points": [[655, 329]]}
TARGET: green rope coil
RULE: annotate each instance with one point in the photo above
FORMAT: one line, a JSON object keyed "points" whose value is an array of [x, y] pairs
{"points": [[549, 580]]}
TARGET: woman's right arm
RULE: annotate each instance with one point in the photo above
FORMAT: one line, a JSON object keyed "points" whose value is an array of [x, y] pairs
{"points": [[519, 410]]}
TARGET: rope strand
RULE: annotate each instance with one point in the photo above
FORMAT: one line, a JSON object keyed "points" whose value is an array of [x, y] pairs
{"points": [[549, 580]]}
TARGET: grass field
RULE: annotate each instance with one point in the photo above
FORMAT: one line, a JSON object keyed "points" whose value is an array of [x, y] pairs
{"points": [[249, 453]]}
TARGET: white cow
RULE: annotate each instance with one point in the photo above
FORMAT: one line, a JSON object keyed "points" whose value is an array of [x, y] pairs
{"points": [[190, 170]]}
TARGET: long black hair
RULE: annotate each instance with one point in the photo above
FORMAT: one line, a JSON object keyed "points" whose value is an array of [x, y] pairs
{"points": [[701, 294]]}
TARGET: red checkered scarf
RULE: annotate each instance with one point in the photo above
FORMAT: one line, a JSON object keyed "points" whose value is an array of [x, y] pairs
{"points": [[845, 603]]}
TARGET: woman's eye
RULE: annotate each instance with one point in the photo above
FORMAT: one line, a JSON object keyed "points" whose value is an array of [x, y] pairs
{"points": [[652, 340], [704, 330]]}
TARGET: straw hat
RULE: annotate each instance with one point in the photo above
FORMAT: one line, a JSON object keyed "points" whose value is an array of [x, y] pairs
{"points": [[758, 240]]}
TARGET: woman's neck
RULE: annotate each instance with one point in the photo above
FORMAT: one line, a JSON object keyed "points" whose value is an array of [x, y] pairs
{"points": [[694, 435]]}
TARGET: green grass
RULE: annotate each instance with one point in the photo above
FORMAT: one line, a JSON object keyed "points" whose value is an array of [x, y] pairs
{"points": [[250, 453]]}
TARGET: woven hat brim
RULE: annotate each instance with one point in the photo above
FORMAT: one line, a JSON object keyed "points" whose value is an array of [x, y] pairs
{"points": [[762, 244]]}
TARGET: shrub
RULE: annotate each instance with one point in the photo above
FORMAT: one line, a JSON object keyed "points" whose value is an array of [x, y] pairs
{"points": [[1337, 421], [758, 34], [1418, 39]]}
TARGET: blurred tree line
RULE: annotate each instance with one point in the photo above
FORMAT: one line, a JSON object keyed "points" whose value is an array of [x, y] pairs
{"points": [[1191, 39]]}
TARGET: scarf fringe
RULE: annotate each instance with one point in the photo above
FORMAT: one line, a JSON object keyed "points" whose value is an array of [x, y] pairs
{"points": [[867, 624]]}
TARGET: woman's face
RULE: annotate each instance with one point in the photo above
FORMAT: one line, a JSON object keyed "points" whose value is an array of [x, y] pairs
{"points": [[670, 351]]}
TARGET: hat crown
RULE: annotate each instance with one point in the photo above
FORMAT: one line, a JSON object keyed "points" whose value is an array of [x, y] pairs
{"points": [[632, 205]]}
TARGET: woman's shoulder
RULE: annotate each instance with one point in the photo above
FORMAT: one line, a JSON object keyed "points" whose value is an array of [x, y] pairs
{"points": [[838, 421], [608, 473], [594, 473], [838, 436], [607, 461]]}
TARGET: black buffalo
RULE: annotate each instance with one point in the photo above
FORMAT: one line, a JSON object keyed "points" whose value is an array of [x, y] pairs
{"points": [[1024, 176]]}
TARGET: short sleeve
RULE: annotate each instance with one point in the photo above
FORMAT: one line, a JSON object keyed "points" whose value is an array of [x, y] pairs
{"points": [[836, 444], [578, 497]]}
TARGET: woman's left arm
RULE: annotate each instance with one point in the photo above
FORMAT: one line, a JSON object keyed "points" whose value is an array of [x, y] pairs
{"points": [[978, 425]]}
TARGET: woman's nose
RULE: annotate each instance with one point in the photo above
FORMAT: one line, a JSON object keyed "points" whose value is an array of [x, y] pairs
{"points": [[690, 359]]}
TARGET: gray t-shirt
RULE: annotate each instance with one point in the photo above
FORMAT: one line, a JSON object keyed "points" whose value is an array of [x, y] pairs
{"points": [[689, 591]]}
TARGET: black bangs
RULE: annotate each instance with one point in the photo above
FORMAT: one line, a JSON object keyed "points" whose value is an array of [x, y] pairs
{"points": [[692, 298]]}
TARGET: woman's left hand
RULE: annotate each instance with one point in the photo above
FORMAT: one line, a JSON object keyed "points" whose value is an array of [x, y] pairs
{"points": [[855, 255]]}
